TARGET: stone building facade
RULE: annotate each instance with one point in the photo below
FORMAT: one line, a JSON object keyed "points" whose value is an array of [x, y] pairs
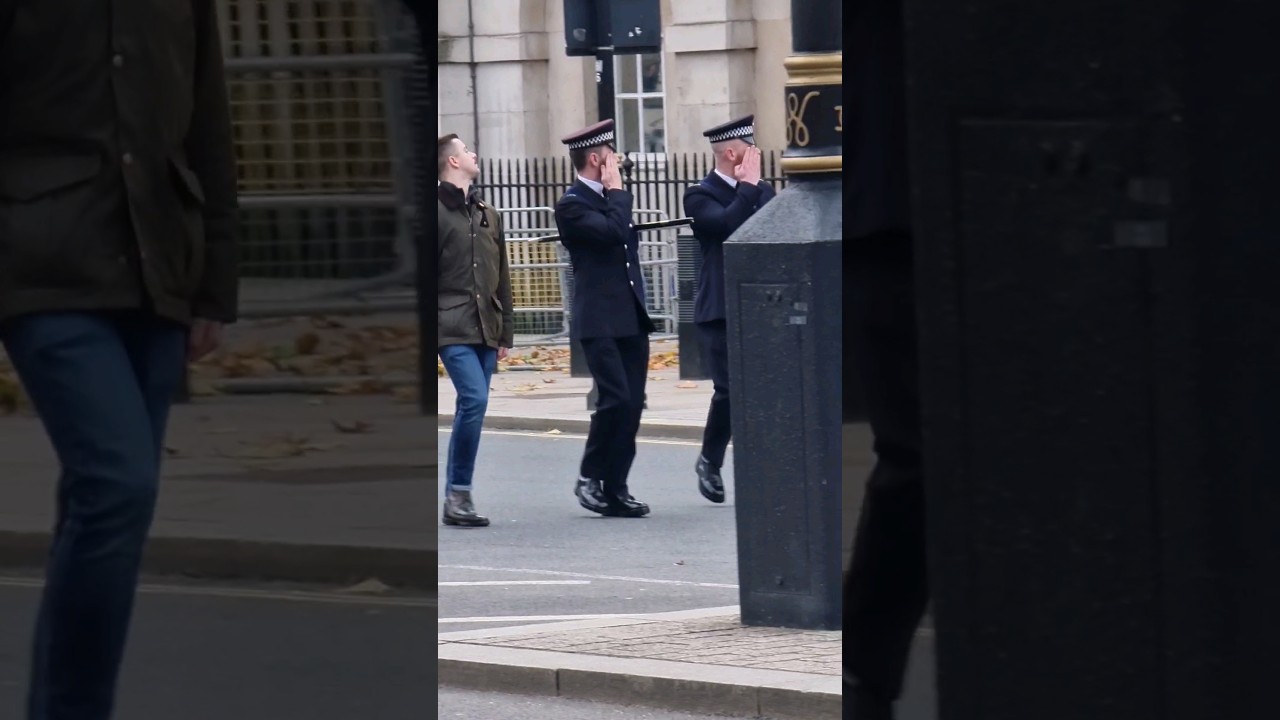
{"points": [[507, 86]]}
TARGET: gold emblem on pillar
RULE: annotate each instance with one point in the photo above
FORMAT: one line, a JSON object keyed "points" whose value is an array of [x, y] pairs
{"points": [[815, 113]]}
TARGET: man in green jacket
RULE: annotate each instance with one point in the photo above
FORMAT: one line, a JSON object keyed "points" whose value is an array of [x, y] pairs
{"points": [[117, 265], [474, 313]]}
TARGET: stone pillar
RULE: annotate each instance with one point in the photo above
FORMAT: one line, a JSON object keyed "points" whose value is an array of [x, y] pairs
{"points": [[505, 112], [783, 290], [710, 73]]}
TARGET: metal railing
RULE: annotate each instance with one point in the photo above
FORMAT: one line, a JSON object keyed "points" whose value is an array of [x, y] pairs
{"points": [[322, 95], [542, 276]]}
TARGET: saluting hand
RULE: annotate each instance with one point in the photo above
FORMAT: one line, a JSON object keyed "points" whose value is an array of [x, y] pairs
{"points": [[748, 171], [609, 175]]}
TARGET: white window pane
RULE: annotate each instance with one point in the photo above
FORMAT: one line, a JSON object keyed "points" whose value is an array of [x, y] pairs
{"points": [[655, 140], [651, 72], [628, 123], [624, 74]]}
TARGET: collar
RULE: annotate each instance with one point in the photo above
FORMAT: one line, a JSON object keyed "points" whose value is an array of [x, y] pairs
{"points": [[451, 195], [732, 181], [598, 187]]}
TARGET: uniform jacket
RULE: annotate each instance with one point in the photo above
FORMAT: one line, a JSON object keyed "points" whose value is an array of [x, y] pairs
{"points": [[604, 250], [117, 177], [880, 184], [473, 274], [718, 210]]}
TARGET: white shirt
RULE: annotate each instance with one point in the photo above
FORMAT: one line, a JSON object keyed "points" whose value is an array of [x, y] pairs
{"points": [[598, 187], [733, 181]]}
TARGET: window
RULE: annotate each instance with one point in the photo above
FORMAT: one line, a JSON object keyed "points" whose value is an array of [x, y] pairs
{"points": [[641, 99]]}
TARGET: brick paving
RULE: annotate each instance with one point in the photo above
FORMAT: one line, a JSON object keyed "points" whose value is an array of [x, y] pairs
{"points": [[722, 641]]}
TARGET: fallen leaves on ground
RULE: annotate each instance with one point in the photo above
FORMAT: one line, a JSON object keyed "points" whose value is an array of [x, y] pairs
{"points": [[406, 393], [12, 396], [687, 385], [372, 586], [328, 349], [354, 427], [550, 358], [277, 447], [663, 360]]}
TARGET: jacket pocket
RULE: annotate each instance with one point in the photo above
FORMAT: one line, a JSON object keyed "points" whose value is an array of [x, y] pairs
{"points": [[26, 180], [456, 317], [41, 200], [449, 302]]}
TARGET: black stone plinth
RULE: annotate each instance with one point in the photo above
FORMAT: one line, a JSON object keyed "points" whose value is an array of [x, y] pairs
{"points": [[1094, 214], [783, 290]]}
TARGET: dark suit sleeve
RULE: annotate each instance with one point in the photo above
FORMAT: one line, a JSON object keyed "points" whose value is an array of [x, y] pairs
{"points": [[212, 157], [504, 286], [767, 193], [579, 221], [714, 219]]}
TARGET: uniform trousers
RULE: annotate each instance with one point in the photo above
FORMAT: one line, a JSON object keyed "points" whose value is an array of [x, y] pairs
{"points": [[620, 367], [715, 350]]}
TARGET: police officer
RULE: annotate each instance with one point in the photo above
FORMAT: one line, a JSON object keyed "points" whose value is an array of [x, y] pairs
{"points": [[607, 315], [886, 590], [718, 206]]}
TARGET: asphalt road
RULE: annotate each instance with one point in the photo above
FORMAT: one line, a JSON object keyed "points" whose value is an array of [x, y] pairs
{"points": [[545, 558], [682, 557], [218, 652]]}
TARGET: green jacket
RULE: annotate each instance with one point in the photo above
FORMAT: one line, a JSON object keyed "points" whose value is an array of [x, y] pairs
{"points": [[117, 171], [472, 273]]}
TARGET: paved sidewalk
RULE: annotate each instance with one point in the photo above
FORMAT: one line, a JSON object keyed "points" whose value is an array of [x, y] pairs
{"points": [[331, 489], [551, 400], [695, 661]]}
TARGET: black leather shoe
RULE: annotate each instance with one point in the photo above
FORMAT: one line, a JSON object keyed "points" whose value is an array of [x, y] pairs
{"points": [[710, 484], [460, 512], [626, 506], [591, 496]]}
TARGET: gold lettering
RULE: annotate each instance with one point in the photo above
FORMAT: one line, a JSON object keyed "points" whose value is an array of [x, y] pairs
{"points": [[839, 118], [797, 131]]}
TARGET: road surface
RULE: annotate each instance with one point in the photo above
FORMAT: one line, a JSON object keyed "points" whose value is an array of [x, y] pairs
{"points": [[220, 652], [545, 558]]}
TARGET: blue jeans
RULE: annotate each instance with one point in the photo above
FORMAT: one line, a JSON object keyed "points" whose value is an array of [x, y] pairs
{"points": [[102, 385], [470, 367]]}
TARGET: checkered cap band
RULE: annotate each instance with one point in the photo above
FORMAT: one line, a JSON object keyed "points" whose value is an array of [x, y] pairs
{"points": [[737, 132], [603, 138]]}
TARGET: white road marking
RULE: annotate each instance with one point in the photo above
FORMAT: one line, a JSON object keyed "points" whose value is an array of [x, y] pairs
{"points": [[533, 618], [577, 436], [514, 582], [330, 598], [617, 578]]}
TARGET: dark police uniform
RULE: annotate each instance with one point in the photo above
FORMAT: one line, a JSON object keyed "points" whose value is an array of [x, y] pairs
{"points": [[886, 590], [718, 206], [608, 316]]}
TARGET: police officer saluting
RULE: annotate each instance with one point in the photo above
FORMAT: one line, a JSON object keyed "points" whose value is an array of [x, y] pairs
{"points": [[608, 316], [718, 206]]}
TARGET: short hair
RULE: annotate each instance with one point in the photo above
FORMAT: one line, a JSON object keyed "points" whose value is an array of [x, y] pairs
{"points": [[718, 148], [579, 155], [444, 151]]}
